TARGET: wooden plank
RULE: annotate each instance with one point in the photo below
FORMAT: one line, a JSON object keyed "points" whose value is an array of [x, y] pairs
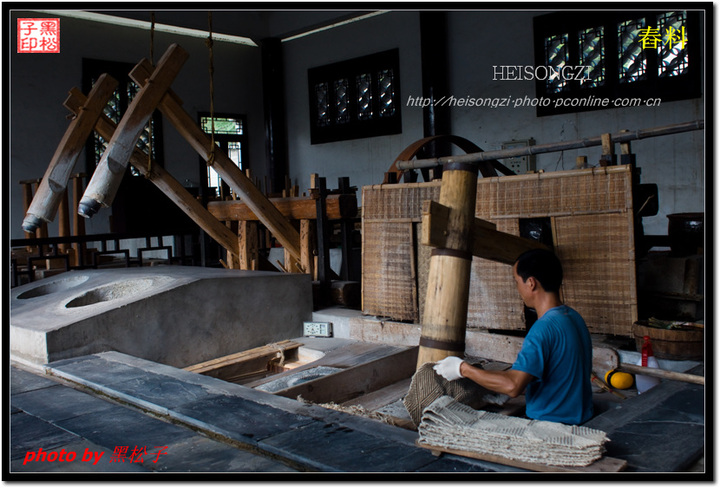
{"points": [[246, 361], [487, 242], [602, 465], [172, 188], [358, 380], [338, 207], [110, 170], [662, 373], [280, 227]]}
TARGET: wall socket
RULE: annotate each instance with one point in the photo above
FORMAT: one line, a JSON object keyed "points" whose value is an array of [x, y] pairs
{"points": [[317, 329]]}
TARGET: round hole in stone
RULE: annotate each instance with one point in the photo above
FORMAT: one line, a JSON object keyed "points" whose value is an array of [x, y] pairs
{"points": [[112, 291], [54, 287]]}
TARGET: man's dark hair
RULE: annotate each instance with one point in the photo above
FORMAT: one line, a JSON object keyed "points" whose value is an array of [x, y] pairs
{"points": [[544, 266]]}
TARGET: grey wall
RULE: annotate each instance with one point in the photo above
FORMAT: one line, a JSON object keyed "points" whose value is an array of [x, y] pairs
{"points": [[365, 161], [40, 83], [477, 41]]}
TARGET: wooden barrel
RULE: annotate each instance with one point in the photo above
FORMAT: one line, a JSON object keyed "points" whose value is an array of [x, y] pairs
{"points": [[677, 344]]}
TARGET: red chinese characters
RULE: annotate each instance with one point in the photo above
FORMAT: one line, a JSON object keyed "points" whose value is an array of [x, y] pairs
{"points": [[38, 35]]}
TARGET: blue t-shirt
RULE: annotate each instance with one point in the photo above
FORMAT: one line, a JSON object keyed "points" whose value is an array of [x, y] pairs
{"points": [[558, 353]]}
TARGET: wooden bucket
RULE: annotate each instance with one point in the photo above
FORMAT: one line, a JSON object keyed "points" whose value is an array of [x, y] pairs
{"points": [[677, 344]]}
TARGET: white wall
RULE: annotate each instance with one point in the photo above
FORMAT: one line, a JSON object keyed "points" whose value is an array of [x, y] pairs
{"points": [[40, 83], [364, 161]]}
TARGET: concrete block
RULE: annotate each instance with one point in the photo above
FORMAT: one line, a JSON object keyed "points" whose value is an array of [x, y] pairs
{"points": [[175, 315]]}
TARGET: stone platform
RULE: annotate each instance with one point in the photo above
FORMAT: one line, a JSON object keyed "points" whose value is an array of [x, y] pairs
{"points": [[175, 315]]}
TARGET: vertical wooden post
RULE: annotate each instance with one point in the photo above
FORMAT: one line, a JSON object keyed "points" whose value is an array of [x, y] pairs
{"points": [[78, 221], [63, 221], [308, 246], [248, 240], [446, 303]]}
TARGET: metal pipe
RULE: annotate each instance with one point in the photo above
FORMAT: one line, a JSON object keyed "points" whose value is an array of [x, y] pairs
{"points": [[618, 137]]}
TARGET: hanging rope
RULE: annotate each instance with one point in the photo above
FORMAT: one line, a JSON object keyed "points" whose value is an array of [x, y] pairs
{"points": [[209, 43], [150, 124]]}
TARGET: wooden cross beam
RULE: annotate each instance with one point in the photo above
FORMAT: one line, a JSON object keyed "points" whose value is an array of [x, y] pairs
{"points": [[172, 188], [487, 242], [110, 170], [171, 107], [53, 186]]}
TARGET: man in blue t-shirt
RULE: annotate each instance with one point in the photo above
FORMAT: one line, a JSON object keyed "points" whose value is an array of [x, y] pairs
{"points": [[554, 365]]}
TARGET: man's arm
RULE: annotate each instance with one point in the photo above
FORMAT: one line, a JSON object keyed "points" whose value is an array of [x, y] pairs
{"points": [[511, 382]]}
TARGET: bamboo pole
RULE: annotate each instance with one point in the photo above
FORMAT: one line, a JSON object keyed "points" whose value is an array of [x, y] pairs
{"points": [[620, 137], [446, 304], [662, 373]]}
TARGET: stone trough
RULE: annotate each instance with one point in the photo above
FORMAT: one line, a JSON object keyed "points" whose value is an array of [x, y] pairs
{"points": [[175, 315]]}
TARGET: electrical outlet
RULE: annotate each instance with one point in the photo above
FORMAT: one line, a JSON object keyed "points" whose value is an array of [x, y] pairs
{"points": [[317, 329], [519, 164]]}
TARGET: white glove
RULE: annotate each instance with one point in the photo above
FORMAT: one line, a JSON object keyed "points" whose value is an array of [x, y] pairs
{"points": [[449, 368]]}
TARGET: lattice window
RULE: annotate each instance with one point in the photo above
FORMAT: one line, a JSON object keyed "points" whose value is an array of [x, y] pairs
{"points": [[386, 92], [673, 52], [355, 98], [231, 137], [556, 56], [631, 55], [363, 85], [592, 54], [636, 58], [342, 113]]}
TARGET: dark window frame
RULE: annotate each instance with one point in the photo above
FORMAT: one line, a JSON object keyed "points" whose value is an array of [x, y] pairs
{"points": [[223, 140], [92, 69], [672, 88], [355, 128]]}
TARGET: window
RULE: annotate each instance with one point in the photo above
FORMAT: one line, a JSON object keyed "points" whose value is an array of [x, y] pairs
{"points": [[355, 98], [626, 59], [231, 137], [115, 109]]}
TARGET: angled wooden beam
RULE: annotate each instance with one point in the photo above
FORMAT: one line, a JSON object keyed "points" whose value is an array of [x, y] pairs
{"points": [[294, 208], [171, 108], [110, 170], [172, 188], [53, 186], [487, 242]]}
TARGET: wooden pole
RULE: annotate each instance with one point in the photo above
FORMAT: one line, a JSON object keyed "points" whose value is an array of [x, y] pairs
{"points": [[446, 304], [620, 137], [662, 373]]}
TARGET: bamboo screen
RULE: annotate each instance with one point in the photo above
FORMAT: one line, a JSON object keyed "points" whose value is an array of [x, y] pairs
{"points": [[590, 214]]}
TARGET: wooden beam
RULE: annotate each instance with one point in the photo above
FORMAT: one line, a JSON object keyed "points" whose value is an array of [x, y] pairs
{"points": [[53, 187], [487, 242], [296, 208], [245, 362], [281, 227], [308, 246], [110, 170], [172, 188], [248, 245]]}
